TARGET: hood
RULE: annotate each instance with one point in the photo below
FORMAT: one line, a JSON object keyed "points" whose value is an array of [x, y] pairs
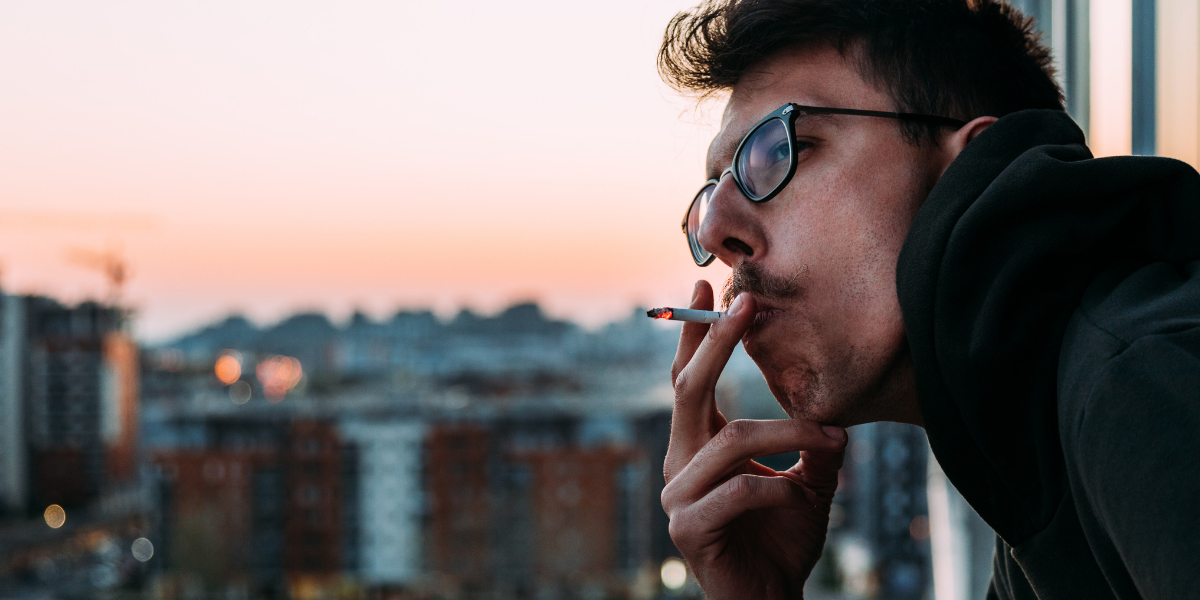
{"points": [[993, 267]]}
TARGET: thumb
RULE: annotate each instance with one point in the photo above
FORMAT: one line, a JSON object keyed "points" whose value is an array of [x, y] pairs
{"points": [[819, 470]]}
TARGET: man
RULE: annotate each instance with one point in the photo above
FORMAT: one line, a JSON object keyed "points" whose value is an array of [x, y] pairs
{"points": [[919, 234]]}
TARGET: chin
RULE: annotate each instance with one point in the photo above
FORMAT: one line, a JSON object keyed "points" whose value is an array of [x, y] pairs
{"points": [[804, 394], [796, 385], [797, 376], [802, 397]]}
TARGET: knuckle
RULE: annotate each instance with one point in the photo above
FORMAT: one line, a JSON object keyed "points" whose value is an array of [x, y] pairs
{"points": [[740, 487], [674, 529], [744, 487], [667, 498], [681, 384], [682, 533], [733, 434]]}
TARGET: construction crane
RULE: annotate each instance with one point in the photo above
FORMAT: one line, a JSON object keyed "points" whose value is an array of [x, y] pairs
{"points": [[109, 262]]}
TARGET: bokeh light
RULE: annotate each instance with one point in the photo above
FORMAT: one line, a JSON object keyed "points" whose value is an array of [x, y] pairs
{"points": [[278, 375], [674, 573], [55, 516], [142, 549], [229, 367], [239, 392]]}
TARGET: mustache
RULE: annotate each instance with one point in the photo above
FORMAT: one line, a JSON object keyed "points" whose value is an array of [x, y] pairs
{"points": [[751, 277]]}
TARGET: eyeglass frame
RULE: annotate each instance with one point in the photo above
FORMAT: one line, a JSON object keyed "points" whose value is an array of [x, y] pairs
{"points": [[788, 113]]}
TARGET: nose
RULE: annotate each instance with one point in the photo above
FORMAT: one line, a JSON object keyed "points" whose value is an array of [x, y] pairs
{"points": [[731, 230]]}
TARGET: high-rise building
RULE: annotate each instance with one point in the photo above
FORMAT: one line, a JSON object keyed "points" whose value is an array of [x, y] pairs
{"points": [[69, 399], [1130, 71], [14, 478], [312, 527], [255, 503], [884, 536], [962, 543], [385, 502]]}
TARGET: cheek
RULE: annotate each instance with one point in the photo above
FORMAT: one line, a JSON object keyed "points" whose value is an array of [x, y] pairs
{"points": [[844, 235], [850, 231]]}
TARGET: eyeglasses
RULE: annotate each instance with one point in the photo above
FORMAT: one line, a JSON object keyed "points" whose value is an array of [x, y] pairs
{"points": [[765, 162]]}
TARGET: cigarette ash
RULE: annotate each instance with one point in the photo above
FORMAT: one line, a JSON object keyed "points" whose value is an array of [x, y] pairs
{"points": [[659, 313]]}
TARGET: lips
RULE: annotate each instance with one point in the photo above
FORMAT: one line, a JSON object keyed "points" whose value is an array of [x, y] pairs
{"points": [[761, 319]]}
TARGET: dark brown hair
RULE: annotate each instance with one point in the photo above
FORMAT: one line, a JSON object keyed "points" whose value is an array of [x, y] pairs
{"points": [[955, 58]]}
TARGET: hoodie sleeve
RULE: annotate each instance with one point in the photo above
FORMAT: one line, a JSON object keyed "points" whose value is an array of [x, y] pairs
{"points": [[1132, 453]]}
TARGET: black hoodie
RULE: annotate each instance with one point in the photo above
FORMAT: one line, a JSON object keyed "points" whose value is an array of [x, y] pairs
{"points": [[1052, 303]]}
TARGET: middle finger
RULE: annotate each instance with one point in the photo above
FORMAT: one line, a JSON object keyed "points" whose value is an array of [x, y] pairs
{"points": [[740, 441]]}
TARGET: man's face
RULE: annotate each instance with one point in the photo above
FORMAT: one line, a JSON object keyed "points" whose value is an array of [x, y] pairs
{"points": [[820, 258]]}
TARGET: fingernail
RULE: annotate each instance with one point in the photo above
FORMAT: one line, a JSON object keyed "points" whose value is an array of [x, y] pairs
{"points": [[834, 432], [737, 305], [695, 291]]}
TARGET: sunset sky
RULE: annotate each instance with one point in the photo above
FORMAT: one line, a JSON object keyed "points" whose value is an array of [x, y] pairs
{"points": [[266, 157]]}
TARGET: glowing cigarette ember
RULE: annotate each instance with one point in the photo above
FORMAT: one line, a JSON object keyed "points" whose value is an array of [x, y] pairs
{"points": [[685, 314]]}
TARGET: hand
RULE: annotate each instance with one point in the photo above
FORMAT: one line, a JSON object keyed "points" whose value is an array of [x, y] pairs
{"points": [[746, 531]]}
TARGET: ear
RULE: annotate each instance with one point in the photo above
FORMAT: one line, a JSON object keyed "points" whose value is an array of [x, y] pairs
{"points": [[955, 142]]}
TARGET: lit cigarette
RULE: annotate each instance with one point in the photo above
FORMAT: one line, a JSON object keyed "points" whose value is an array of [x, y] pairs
{"points": [[685, 314]]}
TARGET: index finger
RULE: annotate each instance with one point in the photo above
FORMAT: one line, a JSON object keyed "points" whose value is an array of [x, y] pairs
{"points": [[740, 441], [706, 363], [692, 333], [695, 400]]}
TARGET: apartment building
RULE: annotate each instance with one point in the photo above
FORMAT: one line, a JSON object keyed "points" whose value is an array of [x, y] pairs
{"points": [[69, 397]]}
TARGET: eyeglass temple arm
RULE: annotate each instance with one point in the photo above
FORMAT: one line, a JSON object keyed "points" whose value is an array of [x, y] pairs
{"points": [[882, 114]]}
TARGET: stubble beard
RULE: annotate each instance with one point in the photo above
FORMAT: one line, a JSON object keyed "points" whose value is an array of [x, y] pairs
{"points": [[797, 387], [752, 278]]}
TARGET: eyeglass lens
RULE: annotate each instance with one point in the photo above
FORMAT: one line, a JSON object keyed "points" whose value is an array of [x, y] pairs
{"points": [[764, 159], [695, 218], [761, 165]]}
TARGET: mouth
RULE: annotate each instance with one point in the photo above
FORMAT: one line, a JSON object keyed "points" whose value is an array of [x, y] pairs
{"points": [[761, 319]]}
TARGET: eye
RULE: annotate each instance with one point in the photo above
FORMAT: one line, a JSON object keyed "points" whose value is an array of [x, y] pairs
{"points": [[778, 152]]}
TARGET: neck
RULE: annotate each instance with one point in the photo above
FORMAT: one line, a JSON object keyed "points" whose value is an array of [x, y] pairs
{"points": [[895, 398]]}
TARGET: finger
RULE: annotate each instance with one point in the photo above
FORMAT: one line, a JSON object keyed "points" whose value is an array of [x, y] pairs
{"points": [[756, 468], [692, 333], [695, 403], [695, 417], [739, 442], [731, 499], [706, 363], [819, 470]]}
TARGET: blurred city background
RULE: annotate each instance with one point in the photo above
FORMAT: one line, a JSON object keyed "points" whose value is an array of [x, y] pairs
{"points": [[311, 301]]}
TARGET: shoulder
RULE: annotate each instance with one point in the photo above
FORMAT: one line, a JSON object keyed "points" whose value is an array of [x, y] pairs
{"points": [[1129, 420], [1129, 373], [1129, 368], [1132, 348]]}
